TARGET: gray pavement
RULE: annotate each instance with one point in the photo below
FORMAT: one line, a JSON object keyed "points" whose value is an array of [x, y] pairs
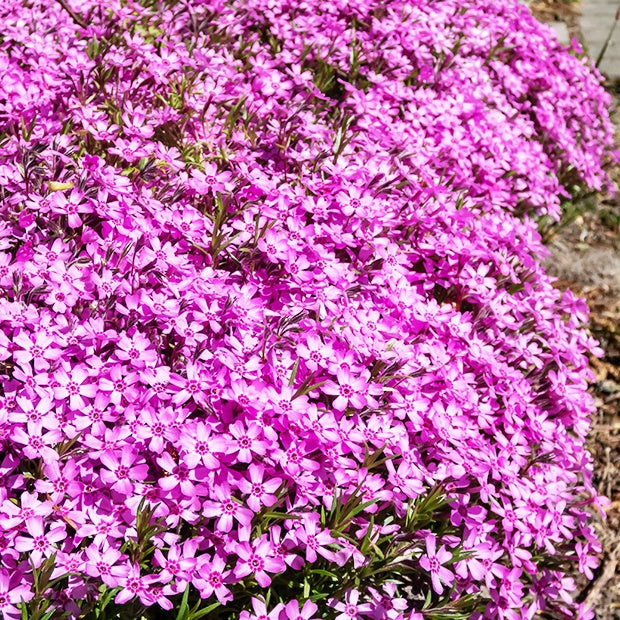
{"points": [[595, 22]]}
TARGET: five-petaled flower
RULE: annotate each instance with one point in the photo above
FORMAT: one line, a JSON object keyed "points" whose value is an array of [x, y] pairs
{"points": [[433, 562]]}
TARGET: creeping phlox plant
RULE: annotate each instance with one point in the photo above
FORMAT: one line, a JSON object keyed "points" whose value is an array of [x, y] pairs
{"points": [[275, 340]]}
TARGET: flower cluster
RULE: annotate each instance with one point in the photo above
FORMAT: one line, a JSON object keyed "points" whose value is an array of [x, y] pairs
{"points": [[275, 340]]}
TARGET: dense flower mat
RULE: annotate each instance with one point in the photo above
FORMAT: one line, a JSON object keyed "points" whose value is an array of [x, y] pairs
{"points": [[275, 341]]}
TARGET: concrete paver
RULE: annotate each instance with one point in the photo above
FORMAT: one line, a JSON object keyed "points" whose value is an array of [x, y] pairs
{"points": [[561, 29], [596, 21]]}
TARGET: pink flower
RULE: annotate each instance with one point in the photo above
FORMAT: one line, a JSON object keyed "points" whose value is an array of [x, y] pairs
{"points": [[37, 444], [138, 351], [30, 507], [260, 492], [194, 386], [201, 445], [177, 476], [211, 577], [315, 352], [247, 445], [106, 566], [39, 347], [40, 543], [71, 207], [258, 560], [122, 473], [292, 611], [210, 181], [433, 561], [314, 540], [75, 386], [350, 609], [178, 565], [120, 384], [134, 585], [261, 612], [13, 590], [130, 150], [348, 390], [227, 509]]}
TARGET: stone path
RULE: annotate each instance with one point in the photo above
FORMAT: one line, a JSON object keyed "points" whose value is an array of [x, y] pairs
{"points": [[595, 22], [591, 23]]}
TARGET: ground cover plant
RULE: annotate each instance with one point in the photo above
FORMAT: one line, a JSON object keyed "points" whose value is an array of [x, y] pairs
{"points": [[275, 338]]}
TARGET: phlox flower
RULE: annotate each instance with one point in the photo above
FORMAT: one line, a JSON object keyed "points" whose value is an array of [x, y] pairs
{"points": [[102, 528], [158, 595], [177, 565], [201, 445], [298, 266], [261, 612], [40, 543], [483, 565], [31, 410], [61, 297], [74, 384], [260, 492], [315, 352], [71, 206], [60, 481], [121, 472], [587, 559], [478, 278], [227, 510], [130, 150], [159, 381], [292, 611], [348, 391], [211, 577], [433, 562], [246, 444], [355, 202], [189, 222], [36, 443], [39, 347], [258, 559], [210, 181], [194, 386], [120, 384], [138, 351], [350, 608], [134, 584], [29, 507], [13, 590], [108, 564], [95, 415], [314, 539], [135, 122], [157, 427], [387, 605], [275, 245], [176, 476], [284, 547]]}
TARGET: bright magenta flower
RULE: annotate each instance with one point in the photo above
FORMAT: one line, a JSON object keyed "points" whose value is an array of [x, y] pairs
{"points": [[433, 562]]}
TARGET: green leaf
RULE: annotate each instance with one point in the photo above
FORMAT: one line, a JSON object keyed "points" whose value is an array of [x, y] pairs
{"points": [[304, 389], [196, 614], [280, 515], [183, 613], [323, 573], [291, 381]]}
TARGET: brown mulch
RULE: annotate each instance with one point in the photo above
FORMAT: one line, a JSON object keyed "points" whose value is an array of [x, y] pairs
{"points": [[554, 10]]}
